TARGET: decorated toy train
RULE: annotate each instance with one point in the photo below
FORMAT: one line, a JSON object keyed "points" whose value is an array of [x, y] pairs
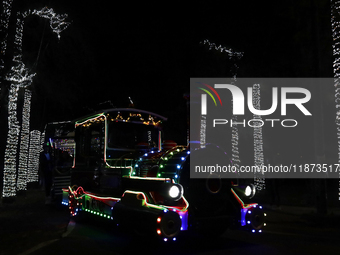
{"points": [[122, 174]]}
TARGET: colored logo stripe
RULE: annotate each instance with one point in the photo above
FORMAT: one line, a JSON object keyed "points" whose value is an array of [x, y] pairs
{"points": [[206, 91], [213, 90]]}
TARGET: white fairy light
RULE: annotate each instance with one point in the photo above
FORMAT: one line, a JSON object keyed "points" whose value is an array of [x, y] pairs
{"points": [[24, 142], [6, 13], [57, 21], [203, 131], [235, 155], [234, 56], [9, 179], [20, 77], [259, 179], [335, 22], [42, 140], [231, 53], [20, 74], [34, 154]]}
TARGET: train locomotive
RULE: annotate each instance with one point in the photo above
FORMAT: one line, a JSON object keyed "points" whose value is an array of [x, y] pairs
{"points": [[122, 174]]}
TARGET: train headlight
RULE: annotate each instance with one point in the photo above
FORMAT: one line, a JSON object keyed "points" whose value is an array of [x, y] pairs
{"points": [[175, 192], [250, 191]]}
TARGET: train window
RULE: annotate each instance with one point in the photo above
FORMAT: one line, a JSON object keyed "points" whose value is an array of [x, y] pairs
{"points": [[89, 142], [95, 144]]}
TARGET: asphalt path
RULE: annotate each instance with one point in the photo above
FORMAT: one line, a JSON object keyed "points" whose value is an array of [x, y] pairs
{"points": [[29, 227], [285, 233]]}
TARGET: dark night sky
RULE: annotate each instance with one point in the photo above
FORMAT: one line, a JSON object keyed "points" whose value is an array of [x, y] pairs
{"points": [[149, 52], [143, 52], [111, 54]]}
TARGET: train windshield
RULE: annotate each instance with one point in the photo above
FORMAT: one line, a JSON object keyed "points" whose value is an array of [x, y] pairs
{"points": [[131, 136]]}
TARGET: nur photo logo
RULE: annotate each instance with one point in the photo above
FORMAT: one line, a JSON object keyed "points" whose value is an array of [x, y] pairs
{"points": [[237, 104]]}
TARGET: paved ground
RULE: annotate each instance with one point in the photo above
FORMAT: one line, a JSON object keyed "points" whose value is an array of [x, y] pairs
{"points": [[29, 223]]}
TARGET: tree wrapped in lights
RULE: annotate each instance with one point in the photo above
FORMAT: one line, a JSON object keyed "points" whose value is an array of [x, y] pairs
{"points": [[9, 179], [259, 179], [24, 142], [335, 22], [58, 22], [234, 56], [21, 78], [5, 15], [4, 21], [33, 157], [231, 53], [203, 130]]}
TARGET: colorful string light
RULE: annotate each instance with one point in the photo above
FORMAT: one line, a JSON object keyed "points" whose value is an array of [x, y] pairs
{"points": [[76, 195]]}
